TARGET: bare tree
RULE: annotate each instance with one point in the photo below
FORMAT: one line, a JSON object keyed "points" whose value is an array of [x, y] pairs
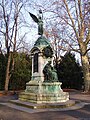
{"points": [[10, 12], [80, 23], [73, 17], [56, 41]]}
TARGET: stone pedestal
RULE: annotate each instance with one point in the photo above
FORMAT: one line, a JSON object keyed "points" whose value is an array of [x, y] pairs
{"points": [[37, 92], [43, 88]]}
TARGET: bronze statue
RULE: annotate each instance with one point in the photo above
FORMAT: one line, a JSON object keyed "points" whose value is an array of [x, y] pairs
{"points": [[39, 21], [50, 73]]}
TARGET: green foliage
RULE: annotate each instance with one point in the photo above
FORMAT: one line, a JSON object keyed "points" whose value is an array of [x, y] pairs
{"points": [[21, 73], [70, 72], [3, 61]]}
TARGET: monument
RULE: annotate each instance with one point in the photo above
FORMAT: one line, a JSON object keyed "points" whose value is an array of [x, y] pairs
{"points": [[44, 86]]}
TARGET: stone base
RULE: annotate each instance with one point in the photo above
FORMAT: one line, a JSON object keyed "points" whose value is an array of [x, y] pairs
{"points": [[37, 92], [68, 104]]}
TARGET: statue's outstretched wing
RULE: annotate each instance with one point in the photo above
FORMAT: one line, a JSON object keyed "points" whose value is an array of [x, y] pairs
{"points": [[34, 17]]}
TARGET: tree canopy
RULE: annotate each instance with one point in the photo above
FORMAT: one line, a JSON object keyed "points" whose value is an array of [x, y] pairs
{"points": [[20, 75], [70, 72]]}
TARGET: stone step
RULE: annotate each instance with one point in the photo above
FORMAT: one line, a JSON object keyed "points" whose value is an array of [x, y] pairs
{"points": [[67, 104]]}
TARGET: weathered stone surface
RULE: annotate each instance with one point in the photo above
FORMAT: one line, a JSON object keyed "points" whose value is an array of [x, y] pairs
{"points": [[31, 105], [44, 93], [43, 88]]}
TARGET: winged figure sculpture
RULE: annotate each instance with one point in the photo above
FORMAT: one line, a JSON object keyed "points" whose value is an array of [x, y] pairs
{"points": [[39, 21]]}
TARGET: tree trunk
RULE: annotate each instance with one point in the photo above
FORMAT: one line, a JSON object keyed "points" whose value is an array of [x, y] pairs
{"points": [[7, 73], [86, 72]]}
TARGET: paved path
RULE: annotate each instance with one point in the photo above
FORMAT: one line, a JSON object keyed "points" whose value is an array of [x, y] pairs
{"points": [[8, 113]]}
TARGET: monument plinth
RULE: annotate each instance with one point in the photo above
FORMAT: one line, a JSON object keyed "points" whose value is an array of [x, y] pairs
{"points": [[44, 86]]}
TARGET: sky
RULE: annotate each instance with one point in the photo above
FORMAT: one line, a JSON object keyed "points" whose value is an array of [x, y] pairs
{"points": [[32, 30]]}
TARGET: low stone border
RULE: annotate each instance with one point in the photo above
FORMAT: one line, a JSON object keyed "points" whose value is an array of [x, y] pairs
{"points": [[67, 104]]}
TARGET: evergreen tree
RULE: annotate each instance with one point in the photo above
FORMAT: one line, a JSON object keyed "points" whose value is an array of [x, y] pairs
{"points": [[3, 60], [70, 72], [21, 73]]}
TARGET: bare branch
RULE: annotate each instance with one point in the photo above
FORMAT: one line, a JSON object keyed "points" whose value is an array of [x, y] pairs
{"points": [[88, 37], [2, 32], [74, 28], [77, 14]]}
